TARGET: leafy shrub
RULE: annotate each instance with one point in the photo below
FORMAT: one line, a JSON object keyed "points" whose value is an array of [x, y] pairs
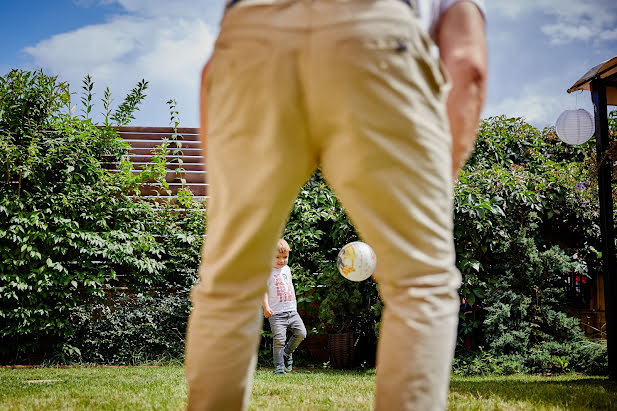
{"points": [[526, 217], [88, 274], [130, 329], [590, 357], [69, 231], [481, 363], [583, 356]]}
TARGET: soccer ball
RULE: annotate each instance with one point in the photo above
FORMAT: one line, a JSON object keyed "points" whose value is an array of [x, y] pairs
{"points": [[356, 261]]}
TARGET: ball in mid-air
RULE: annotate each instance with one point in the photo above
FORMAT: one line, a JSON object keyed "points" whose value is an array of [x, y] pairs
{"points": [[356, 261]]}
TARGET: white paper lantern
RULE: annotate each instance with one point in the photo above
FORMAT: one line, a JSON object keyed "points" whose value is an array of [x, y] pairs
{"points": [[575, 126]]}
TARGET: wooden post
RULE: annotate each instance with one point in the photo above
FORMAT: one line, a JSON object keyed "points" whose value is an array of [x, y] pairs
{"points": [[607, 230]]}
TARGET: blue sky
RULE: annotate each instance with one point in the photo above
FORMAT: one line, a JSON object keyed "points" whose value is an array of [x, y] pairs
{"points": [[537, 50]]}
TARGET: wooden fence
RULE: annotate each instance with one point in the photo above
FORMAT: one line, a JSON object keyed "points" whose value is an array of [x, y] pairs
{"points": [[184, 156]]}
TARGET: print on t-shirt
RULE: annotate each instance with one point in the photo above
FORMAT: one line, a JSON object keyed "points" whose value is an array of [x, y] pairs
{"points": [[281, 293], [284, 287]]}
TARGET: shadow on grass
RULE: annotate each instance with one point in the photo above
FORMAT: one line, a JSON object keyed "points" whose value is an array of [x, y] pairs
{"points": [[568, 392]]}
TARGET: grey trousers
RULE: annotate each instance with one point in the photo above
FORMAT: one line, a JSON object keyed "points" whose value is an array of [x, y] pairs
{"points": [[280, 323]]}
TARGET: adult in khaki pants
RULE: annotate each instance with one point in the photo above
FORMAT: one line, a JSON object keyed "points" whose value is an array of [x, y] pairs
{"points": [[352, 87]]}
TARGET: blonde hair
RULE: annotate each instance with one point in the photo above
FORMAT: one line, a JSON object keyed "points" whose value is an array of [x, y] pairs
{"points": [[283, 246]]}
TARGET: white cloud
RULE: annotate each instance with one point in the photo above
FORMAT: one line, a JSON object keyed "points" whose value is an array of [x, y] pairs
{"points": [[608, 35], [555, 7], [538, 107], [564, 33], [507, 8], [164, 8], [580, 20], [90, 45], [168, 51]]}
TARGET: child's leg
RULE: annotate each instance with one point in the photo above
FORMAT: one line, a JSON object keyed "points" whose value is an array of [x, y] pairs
{"points": [[298, 333], [278, 325]]}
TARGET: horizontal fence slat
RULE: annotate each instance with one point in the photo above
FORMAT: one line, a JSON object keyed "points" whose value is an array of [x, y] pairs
{"points": [[190, 176], [170, 143], [170, 130], [198, 189], [169, 166], [173, 200], [190, 151], [145, 158], [159, 136]]}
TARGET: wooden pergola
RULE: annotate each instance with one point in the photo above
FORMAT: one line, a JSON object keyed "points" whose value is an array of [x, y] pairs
{"points": [[601, 81]]}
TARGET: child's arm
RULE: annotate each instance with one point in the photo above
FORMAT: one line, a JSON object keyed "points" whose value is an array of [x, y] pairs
{"points": [[267, 310]]}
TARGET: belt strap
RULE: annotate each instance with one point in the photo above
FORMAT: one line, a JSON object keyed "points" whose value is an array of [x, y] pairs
{"points": [[231, 3]]}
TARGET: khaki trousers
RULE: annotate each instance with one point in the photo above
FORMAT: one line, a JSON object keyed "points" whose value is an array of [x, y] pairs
{"points": [[350, 86]]}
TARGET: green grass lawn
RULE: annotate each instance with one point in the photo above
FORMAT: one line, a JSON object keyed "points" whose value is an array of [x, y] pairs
{"points": [[163, 388]]}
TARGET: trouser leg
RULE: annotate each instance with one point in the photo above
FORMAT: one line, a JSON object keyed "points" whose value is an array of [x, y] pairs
{"points": [[387, 154], [278, 326], [257, 159], [298, 333]]}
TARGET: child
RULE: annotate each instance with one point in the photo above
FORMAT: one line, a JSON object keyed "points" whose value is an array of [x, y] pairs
{"points": [[280, 309]]}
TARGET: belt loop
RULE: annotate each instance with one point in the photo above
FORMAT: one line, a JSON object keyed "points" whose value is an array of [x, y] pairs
{"points": [[231, 3], [413, 4]]}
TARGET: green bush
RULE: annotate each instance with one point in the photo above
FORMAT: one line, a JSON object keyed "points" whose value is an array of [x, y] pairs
{"points": [[583, 356], [130, 329], [69, 231], [88, 274], [481, 363], [143, 323], [526, 217]]}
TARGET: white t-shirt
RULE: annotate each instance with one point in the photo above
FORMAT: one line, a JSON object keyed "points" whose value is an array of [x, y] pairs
{"points": [[430, 11], [281, 293]]}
